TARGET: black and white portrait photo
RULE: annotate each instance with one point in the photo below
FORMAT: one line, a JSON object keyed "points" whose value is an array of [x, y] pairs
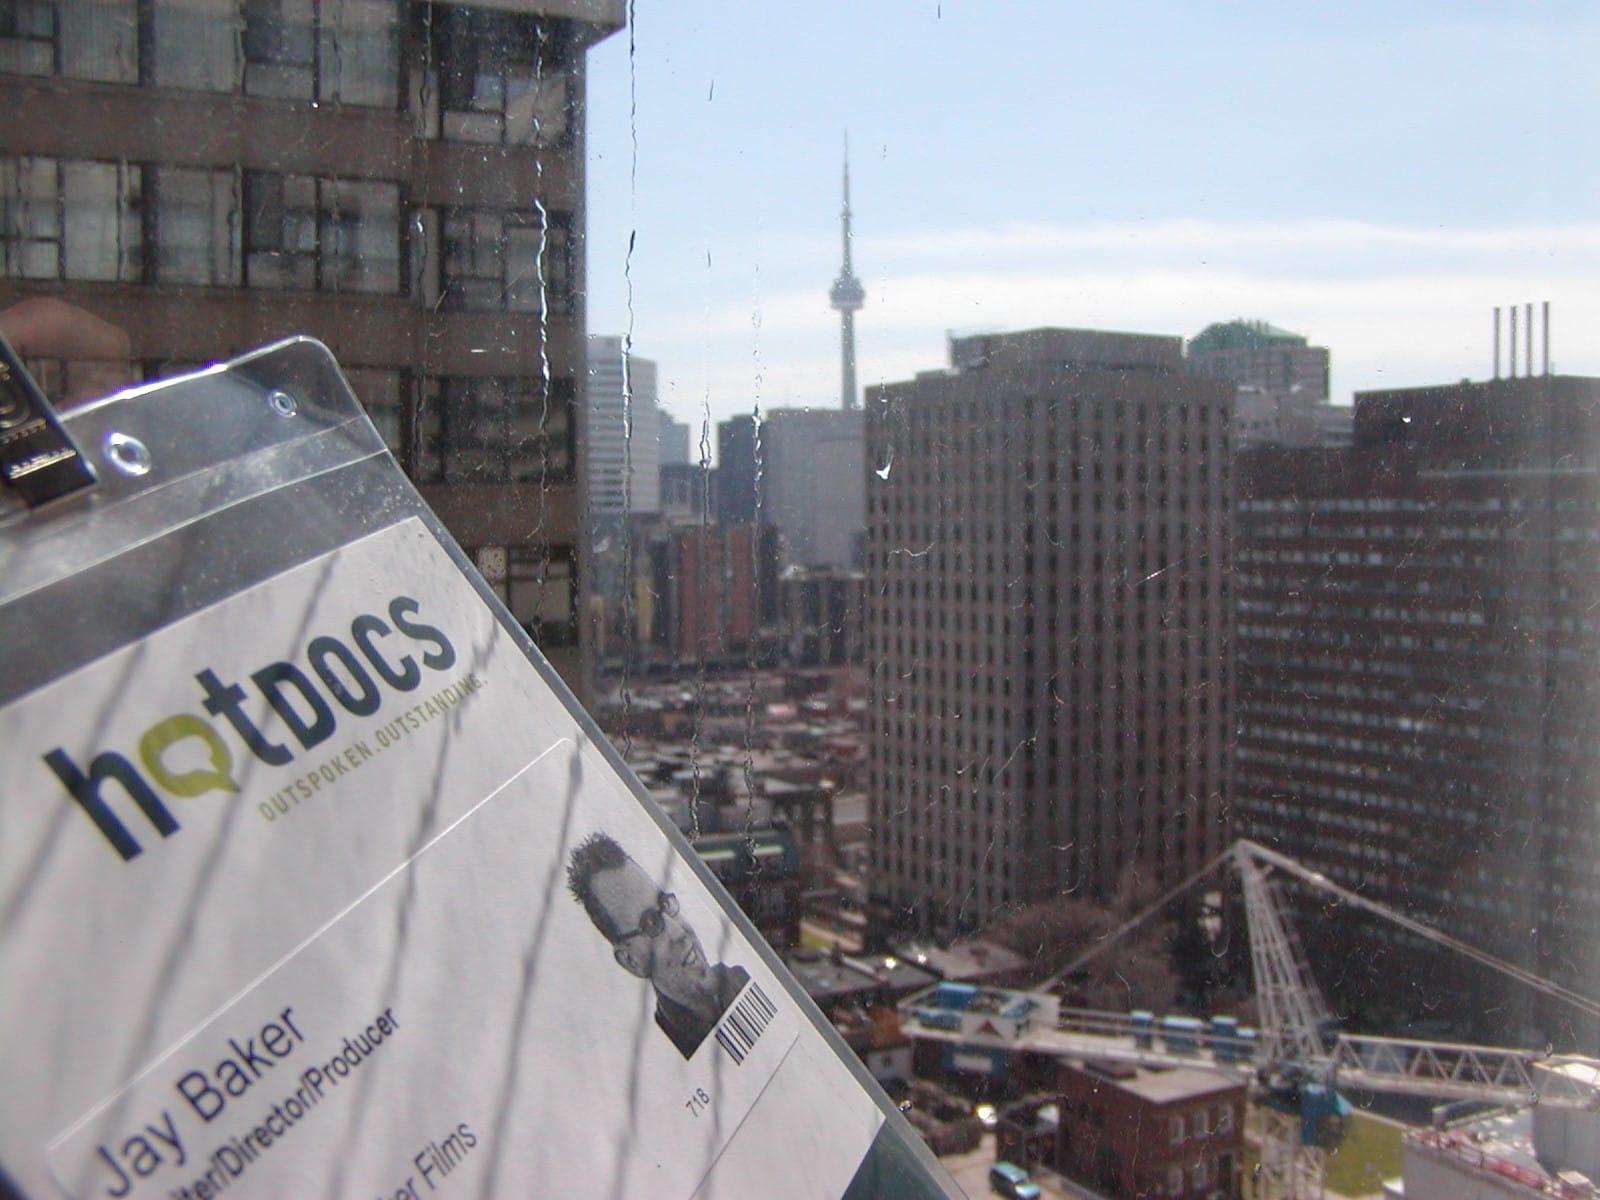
{"points": [[651, 940]]}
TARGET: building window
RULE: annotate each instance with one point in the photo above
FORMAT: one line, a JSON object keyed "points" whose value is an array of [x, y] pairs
{"points": [[78, 39], [500, 80], [1224, 1118], [506, 262], [335, 50], [279, 46], [303, 233], [196, 226], [344, 51], [71, 220], [488, 429], [1175, 1131], [280, 230], [542, 594], [28, 38], [1174, 1181], [380, 393], [194, 44]]}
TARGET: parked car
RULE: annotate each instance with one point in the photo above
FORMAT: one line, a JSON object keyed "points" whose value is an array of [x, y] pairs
{"points": [[1009, 1180]]}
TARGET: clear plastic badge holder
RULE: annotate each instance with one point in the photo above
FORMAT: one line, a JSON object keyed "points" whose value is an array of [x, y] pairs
{"points": [[314, 878]]}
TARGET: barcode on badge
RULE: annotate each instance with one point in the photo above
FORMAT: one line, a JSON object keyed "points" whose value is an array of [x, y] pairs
{"points": [[745, 1022]]}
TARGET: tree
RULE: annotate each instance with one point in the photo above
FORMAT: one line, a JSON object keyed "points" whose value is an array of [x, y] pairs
{"points": [[1135, 973]]}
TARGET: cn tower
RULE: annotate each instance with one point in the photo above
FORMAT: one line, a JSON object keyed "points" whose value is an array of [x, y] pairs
{"points": [[847, 295]]}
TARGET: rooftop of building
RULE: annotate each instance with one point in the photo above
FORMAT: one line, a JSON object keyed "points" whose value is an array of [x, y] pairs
{"points": [[1240, 334], [830, 977], [1067, 348], [1162, 1085], [1541, 414], [967, 961], [1498, 1142], [605, 16]]}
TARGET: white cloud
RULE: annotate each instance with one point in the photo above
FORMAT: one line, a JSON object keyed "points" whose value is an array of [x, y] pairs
{"points": [[1397, 306]]}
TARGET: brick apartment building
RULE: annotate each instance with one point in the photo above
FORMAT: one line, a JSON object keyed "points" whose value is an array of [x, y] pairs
{"points": [[1138, 1133]]}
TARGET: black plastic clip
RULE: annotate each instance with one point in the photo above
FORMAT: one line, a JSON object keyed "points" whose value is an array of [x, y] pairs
{"points": [[37, 456]]}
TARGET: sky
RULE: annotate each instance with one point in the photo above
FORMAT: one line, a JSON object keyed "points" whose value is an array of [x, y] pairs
{"points": [[1377, 177]]}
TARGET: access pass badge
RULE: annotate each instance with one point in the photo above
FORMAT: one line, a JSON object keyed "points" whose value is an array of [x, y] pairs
{"points": [[314, 880]]}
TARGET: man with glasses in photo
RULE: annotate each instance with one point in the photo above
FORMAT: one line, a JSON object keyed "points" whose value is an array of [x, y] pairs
{"points": [[651, 940]]}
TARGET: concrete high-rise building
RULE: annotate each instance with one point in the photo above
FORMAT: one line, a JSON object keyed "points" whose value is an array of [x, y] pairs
{"points": [[1281, 381], [212, 175], [1048, 536], [621, 433], [812, 480], [1418, 697]]}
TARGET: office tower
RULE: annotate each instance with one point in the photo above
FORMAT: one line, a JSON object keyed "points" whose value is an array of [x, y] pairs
{"points": [[1417, 702], [675, 441], [686, 494], [621, 433], [738, 450], [1048, 527], [819, 617], [812, 478], [621, 486], [1281, 381], [403, 181]]}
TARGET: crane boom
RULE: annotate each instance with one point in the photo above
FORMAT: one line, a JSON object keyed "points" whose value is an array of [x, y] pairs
{"points": [[1245, 848], [1462, 1072], [1300, 1058], [1293, 1014]]}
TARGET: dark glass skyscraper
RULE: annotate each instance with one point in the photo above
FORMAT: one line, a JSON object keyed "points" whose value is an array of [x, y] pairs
{"points": [[1417, 646]]}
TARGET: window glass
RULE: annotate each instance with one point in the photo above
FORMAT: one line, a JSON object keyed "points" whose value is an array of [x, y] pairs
{"points": [[197, 227], [1105, 601], [486, 429], [329, 234], [71, 220], [28, 38], [382, 393], [541, 592], [194, 44], [279, 47], [500, 261], [358, 52], [78, 39], [499, 81]]}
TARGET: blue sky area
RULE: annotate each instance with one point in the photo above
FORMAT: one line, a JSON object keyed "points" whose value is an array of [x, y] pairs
{"points": [[1377, 177]]}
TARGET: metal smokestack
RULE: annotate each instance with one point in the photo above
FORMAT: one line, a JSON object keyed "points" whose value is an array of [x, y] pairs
{"points": [[1512, 359], [1528, 357], [1547, 337], [1497, 341]]}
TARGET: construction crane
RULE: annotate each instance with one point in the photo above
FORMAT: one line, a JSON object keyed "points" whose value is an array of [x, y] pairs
{"points": [[1300, 1058]]}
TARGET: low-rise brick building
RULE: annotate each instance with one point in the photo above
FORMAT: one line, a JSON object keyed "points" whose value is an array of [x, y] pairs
{"points": [[1139, 1133]]}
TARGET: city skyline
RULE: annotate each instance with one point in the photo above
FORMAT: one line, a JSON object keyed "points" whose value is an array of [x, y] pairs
{"points": [[1377, 181]]}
